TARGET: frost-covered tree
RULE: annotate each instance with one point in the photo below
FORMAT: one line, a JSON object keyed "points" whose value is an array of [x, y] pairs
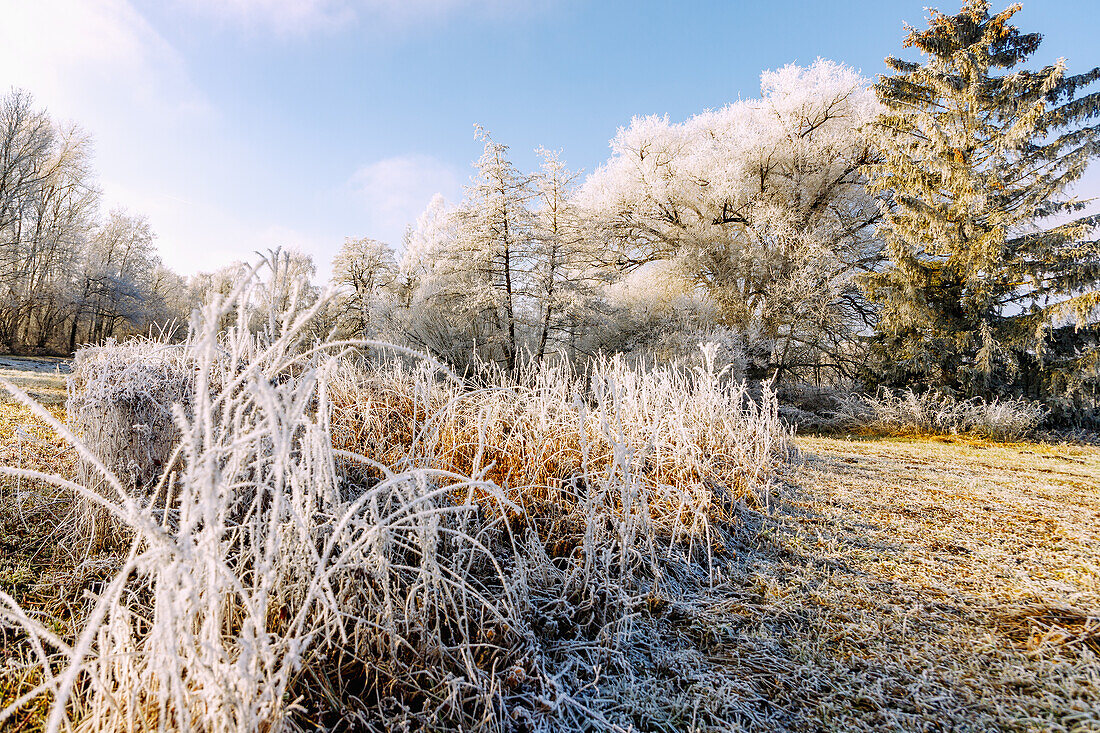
{"points": [[364, 269], [56, 222], [203, 287], [509, 274], [117, 278], [47, 211], [761, 205], [988, 251], [66, 275], [286, 292], [169, 307], [427, 309], [654, 316], [28, 139], [565, 269], [422, 246], [481, 281]]}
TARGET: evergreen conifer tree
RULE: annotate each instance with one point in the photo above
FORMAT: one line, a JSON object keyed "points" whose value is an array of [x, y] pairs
{"points": [[993, 274]]}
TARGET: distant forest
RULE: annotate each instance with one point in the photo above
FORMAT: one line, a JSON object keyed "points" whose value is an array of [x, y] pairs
{"points": [[916, 231]]}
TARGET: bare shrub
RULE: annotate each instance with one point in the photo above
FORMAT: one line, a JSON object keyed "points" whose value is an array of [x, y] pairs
{"points": [[810, 406]]}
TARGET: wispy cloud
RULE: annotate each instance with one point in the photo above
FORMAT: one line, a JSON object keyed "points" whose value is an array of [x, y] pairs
{"points": [[281, 16], [394, 191], [301, 16]]}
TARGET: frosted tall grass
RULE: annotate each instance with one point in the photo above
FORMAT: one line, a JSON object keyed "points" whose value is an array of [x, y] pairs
{"points": [[686, 443], [120, 406], [933, 413], [383, 548]]}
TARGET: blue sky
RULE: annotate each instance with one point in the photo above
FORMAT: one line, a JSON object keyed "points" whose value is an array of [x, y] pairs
{"points": [[238, 125]]}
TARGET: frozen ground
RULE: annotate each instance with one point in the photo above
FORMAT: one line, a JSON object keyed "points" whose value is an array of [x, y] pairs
{"points": [[41, 376]]}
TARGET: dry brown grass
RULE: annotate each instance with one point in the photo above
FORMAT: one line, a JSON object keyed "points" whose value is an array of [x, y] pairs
{"points": [[32, 560], [693, 459], [919, 584]]}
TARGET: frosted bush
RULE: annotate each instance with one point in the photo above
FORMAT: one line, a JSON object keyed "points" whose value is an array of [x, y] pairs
{"points": [[933, 413], [120, 406], [384, 549], [689, 440]]}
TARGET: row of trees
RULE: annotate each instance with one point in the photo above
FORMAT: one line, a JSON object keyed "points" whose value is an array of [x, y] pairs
{"points": [[68, 274], [915, 232], [753, 220]]}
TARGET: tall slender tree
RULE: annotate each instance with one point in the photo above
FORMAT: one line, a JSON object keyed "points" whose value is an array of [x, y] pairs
{"points": [[565, 267], [992, 265], [488, 260]]}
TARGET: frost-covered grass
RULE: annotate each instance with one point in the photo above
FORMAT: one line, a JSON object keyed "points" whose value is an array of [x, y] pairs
{"points": [[896, 584], [672, 448], [374, 549], [928, 583], [932, 413], [889, 413], [41, 378]]}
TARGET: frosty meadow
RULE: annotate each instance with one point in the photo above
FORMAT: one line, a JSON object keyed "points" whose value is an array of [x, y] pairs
{"points": [[782, 419]]}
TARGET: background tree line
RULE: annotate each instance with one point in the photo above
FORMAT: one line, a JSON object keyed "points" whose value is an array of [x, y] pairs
{"points": [[68, 273], [916, 232]]}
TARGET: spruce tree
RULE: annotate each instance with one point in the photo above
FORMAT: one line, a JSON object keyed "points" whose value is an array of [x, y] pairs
{"points": [[992, 281]]}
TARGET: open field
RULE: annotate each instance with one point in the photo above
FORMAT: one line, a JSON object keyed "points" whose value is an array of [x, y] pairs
{"points": [[887, 584], [935, 584], [911, 585], [41, 377]]}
